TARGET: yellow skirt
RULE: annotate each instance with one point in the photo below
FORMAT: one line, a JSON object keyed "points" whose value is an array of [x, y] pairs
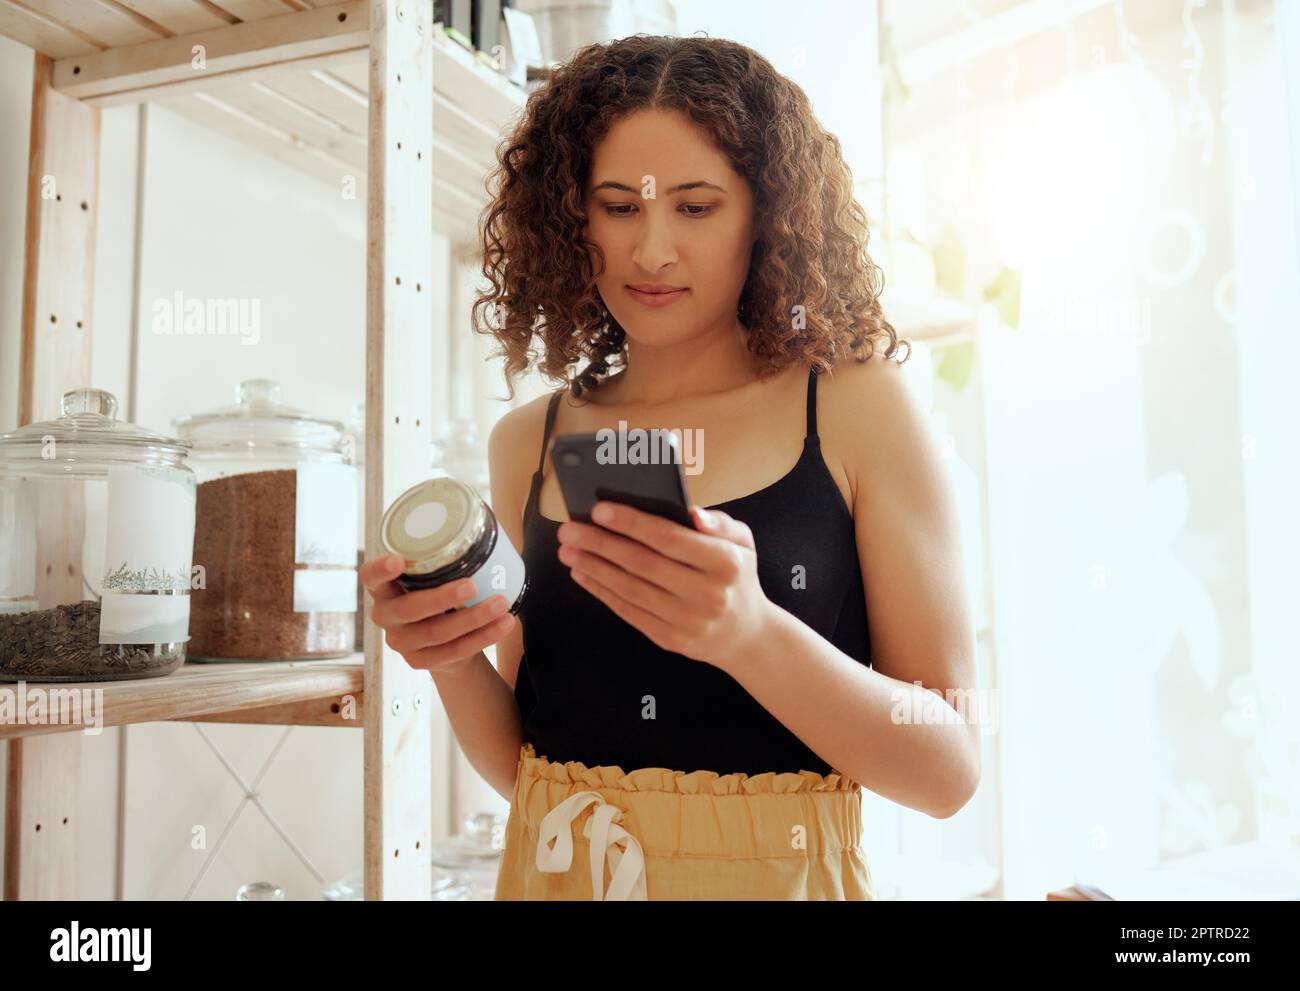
{"points": [[676, 835]]}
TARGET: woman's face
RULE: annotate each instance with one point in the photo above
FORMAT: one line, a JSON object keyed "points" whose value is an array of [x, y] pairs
{"points": [[666, 208]]}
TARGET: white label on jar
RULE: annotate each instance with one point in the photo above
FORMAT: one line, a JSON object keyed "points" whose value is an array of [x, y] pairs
{"points": [[502, 573], [148, 547], [325, 590], [325, 537], [18, 539]]}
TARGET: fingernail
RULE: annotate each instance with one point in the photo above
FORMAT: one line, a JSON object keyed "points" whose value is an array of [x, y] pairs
{"points": [[466, 589], [498, 606], [705, 517]]}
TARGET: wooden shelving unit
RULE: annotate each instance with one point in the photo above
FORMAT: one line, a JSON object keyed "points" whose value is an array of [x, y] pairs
{"points": [[360, 90], [297, 693]]}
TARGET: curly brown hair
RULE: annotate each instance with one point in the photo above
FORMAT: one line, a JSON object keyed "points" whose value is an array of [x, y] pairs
{"points": [[811, 249]]}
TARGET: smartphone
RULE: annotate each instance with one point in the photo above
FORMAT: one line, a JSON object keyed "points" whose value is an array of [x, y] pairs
{"points": [[586, 477]]}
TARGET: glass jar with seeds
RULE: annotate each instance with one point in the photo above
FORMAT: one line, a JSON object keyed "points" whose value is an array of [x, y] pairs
{"points": [[96, 532], [275, 554]]}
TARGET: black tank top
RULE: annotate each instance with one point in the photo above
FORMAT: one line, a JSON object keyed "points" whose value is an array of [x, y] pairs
{"points": [[593, 688]]}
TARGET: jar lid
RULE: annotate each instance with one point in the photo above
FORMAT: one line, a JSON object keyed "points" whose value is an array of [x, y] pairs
{"points": [[259, 418], [433, 524], [88, 431]]}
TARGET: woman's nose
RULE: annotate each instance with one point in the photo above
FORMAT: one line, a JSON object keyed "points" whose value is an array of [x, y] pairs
{"points": [[655, 246]]}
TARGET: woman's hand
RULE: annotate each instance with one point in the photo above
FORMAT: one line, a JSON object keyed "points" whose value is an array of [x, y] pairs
{"points": [[693, 592], [417, 624]]}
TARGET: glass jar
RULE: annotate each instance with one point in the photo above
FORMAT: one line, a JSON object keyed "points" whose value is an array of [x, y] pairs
{"points": [[275, 531], [96, 531], [445, 531], [354, 449]]}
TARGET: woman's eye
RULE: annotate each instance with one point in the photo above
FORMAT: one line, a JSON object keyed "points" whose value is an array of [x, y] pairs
{"points": [[690, 209]]}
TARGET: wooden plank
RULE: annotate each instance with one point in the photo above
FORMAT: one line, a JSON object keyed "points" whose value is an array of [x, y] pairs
{"points": [[58, 283], [180, 16], [47, 36], [255, 10], [399, 400], [355, 74], [200, 689], [43, 818], [325, 94], [281, 145], [269, 105], [242, 46], [208, 83], [43, 782], [313, 712], [483, 93], [108, 25], [461, 130]]}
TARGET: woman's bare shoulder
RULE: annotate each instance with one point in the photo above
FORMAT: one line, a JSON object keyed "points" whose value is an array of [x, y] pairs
{"points": [[865, 409]]}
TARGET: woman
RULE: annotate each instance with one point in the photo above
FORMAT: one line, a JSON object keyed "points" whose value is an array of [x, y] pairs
{"points": [[695, 711]]}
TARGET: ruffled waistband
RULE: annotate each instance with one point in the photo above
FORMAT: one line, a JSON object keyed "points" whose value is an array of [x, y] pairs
{"points": [[702, 813], [644, 779]]}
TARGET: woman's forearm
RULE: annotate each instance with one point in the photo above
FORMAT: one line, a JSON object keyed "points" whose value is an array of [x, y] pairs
{"points": [[485, 718], [849, 715]]}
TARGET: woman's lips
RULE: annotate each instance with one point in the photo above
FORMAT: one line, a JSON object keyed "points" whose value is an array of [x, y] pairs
{"points": [[656, 299]]}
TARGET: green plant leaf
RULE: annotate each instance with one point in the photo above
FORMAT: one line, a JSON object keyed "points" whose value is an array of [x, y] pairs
{"points": [[956, 364], [1004, 293]]}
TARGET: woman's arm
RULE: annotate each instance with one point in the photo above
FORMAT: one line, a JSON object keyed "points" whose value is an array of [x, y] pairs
{"points": [[478, 698], [900, 739]]}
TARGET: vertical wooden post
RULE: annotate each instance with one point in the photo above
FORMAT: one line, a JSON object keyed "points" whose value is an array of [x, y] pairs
{"points": [[58, 284], [42, 806], [399, 382], [43, 817]]}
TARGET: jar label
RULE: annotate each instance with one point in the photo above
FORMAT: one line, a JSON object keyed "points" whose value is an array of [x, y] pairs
{"points": [[18, 538], [501, 574], [148, 547], [325, 556]]}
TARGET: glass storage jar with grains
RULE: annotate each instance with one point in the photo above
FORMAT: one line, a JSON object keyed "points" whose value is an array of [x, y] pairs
{"points": [[275, 556], [96, 531]]}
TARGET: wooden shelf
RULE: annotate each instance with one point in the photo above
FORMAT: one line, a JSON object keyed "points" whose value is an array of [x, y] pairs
{"points": [[297, 90], [293, 78], [279, 692]]}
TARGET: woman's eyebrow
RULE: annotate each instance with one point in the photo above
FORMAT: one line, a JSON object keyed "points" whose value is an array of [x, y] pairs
{"points": [[680, 187]]}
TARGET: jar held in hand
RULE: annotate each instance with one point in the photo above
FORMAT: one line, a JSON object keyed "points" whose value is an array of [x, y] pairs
{"points": [[445, 532]]}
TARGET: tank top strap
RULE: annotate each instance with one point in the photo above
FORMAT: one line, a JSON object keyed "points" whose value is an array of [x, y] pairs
{"points": [[550, 421], [531, 506], [811, 433]]}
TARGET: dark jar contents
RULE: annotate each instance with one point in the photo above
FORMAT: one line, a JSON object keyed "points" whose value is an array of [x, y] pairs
{"points": [[244, 540], [62, 644]]}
